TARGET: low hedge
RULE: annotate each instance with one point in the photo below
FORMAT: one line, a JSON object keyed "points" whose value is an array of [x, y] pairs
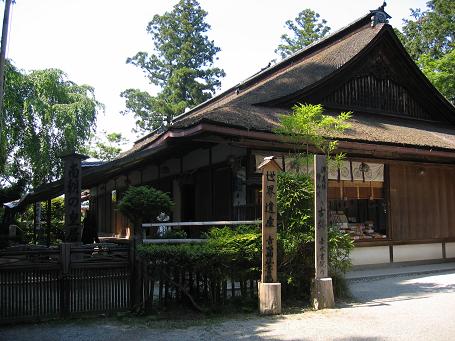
{"points": [[225, 251]]}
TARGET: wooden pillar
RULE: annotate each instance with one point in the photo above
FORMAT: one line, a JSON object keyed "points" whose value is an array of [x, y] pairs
{"points": [[269, 288], [35, 222], [212, 185], [48, 222], [72, 185], [322, 291], [39, 226]]}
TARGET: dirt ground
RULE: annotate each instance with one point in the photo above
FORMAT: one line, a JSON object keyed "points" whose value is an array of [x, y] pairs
{"points": [[412, 307]]}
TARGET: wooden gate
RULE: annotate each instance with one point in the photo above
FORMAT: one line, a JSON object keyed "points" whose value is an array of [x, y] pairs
{"points": [[41, 283]]}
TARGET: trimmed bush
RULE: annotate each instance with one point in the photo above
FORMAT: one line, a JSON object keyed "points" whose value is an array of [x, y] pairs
{"points": [[143, 203]]}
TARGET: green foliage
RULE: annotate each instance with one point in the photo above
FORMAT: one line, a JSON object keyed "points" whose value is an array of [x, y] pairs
{"points": [[57, 218], [305, 29], [182, 65], [106, 148], [175, 233], [340, 246], [25, 221], [241, 246], [296, 235], [429, 37], [441, 72], [309, 125], [227, 254], [226, 250], [431, 31], [294, 195], [144, 204], [46, 115]]}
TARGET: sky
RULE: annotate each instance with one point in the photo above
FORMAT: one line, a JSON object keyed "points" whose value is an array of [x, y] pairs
{"points": [[90, 40]]}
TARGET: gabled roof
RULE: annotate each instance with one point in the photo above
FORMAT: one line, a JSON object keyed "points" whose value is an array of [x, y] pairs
{"points": [[250, 104], [311, 64]]}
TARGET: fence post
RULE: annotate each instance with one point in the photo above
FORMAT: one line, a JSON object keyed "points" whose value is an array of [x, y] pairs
{"points": [[65, 259], [137, 294]]}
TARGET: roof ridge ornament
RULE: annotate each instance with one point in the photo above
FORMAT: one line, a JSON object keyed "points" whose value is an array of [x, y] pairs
{"points": [[379, 15]]}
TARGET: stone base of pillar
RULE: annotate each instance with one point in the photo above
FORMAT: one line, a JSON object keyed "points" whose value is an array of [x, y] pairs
{"points": [[322, 293], [269, 298]]}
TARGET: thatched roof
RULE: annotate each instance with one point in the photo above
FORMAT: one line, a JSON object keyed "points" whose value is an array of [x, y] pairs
{"points": [[245, 105], [364, 127]]}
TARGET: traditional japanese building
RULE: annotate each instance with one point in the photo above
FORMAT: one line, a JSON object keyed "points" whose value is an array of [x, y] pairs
{"points": [[395, 193]]}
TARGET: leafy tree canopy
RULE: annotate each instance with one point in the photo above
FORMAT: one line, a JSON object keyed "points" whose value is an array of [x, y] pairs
{"points": [[305, 29], [45, 116], [143, 204], [182, 65], [107, 147], [429, 38], [431, 31], [441, 72], [309, 125]]}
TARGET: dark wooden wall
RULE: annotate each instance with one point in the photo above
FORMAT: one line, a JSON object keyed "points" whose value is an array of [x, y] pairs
{"points": [[422, 202]]}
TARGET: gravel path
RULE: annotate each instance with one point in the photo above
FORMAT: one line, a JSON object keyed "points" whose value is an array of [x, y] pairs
{"points": [[399, 308]]}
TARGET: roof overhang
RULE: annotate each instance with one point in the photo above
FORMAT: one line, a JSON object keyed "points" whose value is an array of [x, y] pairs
{"points": [[248, 138]]}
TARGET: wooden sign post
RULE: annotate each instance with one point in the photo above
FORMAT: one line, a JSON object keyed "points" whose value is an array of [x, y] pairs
{"points": [[72, 183], [269, 290], [322, 290]]}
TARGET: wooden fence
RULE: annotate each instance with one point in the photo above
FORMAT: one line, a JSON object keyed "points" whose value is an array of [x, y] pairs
{"points": [[43, 283]]}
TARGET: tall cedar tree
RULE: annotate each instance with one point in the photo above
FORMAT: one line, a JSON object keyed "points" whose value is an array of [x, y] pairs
{"points": [[305, 29], [182, 66], [46, 115], [429, 37]]}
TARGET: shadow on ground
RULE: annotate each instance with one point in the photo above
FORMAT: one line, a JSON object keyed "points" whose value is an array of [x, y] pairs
{"points": [[397, 288]]}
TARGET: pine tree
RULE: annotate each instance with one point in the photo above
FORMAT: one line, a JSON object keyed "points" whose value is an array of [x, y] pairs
{"points": [[182, 65], [304, 30]]}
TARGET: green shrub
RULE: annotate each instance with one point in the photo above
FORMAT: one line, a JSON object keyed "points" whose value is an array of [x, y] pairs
{"points": [[140, 204], [296, 236], [340, 246], [174, 233], [200, 272], [226, 249]]}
